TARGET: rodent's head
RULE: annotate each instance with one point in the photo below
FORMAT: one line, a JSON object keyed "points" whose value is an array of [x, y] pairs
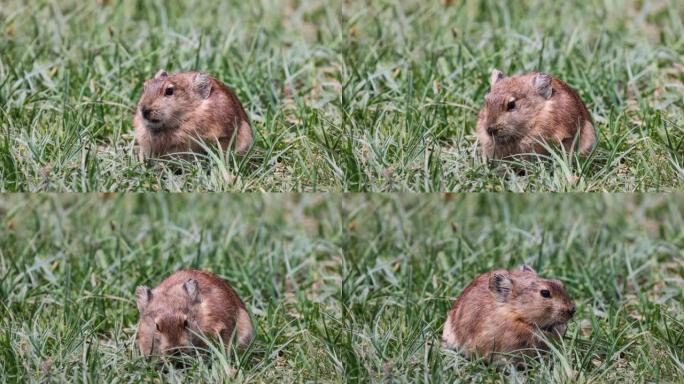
{"points": [[166, 325], [166, 99], [512, 104], [539, 302]]}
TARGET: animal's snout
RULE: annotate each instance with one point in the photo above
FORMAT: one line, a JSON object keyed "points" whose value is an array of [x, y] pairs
{"points": [[571, 311], [492, 130], [145, 112]]}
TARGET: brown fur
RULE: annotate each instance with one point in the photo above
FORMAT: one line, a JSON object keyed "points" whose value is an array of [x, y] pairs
{"points": [[504, 312], [187, 302], [201, 108], [546, 109]]}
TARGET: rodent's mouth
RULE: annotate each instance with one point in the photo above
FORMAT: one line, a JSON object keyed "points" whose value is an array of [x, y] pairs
{"points": [[154, 125], [503, 139], [549, 328], [553, 327]]}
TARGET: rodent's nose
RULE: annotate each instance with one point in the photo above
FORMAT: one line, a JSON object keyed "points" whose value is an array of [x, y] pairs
{"points": [[145, 112], [492, 130], [571, 311]]}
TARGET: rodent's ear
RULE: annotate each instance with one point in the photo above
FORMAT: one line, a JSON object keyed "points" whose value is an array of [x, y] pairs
{"points": [[496, 77], [542, 84], [500, 285], [527, 268], [192, 289], [161, 73], [143, 296], [202, 85]]}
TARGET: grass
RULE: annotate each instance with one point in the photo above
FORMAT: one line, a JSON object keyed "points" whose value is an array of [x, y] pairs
{"points": [[344, 95], [341, 288]]}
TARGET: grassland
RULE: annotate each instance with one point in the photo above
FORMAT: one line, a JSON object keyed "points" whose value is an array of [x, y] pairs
{"points": [[344, 95], [341, 289]]}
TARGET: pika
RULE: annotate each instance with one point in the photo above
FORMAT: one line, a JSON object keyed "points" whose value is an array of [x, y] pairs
{"points": [[504, 312], [177, 111], [522, 112], [185, 305]]}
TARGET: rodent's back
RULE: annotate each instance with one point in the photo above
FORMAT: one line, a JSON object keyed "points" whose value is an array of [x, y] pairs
{"points": [[223, 118], [468, 311], [220, 295], [567, 114], [232, 99], [566, 107], [574, 96]]}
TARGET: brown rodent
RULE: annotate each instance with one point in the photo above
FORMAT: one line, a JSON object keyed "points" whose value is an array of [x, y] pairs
{"points": [[506, 312], [176, 111], [185, 304], [522, 112]]}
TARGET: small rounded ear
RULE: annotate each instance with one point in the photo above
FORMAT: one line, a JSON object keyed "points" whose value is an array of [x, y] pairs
{"points": [[192, 290], [500, 285], [495, 77], [527, 268], [542, 84], [143, 296], [160, 74], [202, 85]]}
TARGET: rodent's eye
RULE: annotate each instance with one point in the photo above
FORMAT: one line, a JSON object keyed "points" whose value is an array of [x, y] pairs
{"points": [[545, 293], [185, 323], [168, 91], [510, 106], [157, 325]]}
